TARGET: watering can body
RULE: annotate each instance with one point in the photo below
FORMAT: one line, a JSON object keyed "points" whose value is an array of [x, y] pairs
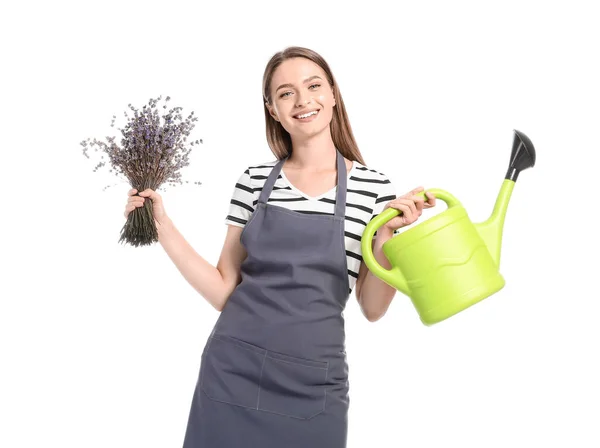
{"points": [[443, 264], [447, 263]]}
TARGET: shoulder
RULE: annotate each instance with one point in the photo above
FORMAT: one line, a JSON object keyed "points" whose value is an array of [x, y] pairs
{"points": [[261, 168], [374, 183], [266, 165], [256, 172], [370, 177], [259, 172]]}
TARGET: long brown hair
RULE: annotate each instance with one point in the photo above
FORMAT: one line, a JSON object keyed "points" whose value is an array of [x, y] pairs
{"points": [[278, 138]]}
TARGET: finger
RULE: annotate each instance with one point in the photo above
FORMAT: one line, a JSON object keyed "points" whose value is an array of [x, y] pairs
{"points": [[419, 203], [132, 206], [136, 199], [407, 215], [430, 199], [388, 203], [148, 192], [413, 208], [128, 210], [401, 202], [411, 205], [396, 223], [132, 192], [412, 192]]}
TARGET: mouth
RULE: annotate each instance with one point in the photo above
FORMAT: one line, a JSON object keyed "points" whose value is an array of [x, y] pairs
{"points": [[308, 116]]}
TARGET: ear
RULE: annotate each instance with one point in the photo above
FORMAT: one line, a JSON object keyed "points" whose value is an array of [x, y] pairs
{"points": [[334, 101], [271, 111]]}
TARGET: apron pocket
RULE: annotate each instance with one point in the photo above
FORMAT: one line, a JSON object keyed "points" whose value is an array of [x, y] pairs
{"points": [[231, 371], [293, 387]]}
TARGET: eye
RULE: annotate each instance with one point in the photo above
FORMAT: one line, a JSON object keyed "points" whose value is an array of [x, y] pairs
{"points": [[315, 85], [284, 94]]}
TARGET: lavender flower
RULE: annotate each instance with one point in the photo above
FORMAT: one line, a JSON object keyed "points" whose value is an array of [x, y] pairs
{"points": [[150, 154]]}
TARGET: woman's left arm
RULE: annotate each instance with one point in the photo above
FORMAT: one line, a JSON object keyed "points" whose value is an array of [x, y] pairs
{"points": [[373, 294]]}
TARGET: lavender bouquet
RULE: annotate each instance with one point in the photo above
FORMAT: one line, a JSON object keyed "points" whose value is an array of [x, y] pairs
{"points": [[151, 154]]}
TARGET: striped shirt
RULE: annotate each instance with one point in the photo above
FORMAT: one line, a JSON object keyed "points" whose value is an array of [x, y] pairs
{"points": [[367, 193]]}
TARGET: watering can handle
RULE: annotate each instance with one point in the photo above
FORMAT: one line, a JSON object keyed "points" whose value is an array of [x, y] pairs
{"points": [[387, 275], [390, 213]]}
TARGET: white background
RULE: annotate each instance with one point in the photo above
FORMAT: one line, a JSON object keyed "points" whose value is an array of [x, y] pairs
{"points": [[101, 342]]}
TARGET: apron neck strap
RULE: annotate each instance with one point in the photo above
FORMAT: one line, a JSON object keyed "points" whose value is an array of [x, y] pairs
{"points": [[270, 182], [342, 177], [340, 200]]}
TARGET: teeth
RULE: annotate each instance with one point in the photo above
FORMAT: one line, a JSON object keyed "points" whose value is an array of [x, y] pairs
{"points": [[314, 112]]}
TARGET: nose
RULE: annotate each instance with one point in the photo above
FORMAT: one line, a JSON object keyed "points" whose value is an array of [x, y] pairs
{"points": [[303, 98]]}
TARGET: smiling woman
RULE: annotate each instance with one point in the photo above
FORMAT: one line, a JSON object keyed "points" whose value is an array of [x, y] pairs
{"points": [[274, 371], [286, 93], [310, 99]]}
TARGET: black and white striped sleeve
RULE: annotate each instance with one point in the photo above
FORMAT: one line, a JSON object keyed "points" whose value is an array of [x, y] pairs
{"points": [[386, 194], [241, 205]]}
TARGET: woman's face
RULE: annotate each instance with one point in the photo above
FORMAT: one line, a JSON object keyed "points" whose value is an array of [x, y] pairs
{"points": [[299, 87]]}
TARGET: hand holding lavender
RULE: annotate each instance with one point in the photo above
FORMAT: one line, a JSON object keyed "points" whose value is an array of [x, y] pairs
{"points": [[136, 199], [151, 154]]}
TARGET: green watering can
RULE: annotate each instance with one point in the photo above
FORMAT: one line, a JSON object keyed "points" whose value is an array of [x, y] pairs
{"points": [[446, 263]]}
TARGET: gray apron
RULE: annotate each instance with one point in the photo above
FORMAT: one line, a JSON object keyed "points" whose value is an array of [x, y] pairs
{"points": [[273, 371]]}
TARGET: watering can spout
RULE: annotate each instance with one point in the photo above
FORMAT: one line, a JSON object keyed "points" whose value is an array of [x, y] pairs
{"points": [[491, 229], [521, 158]]}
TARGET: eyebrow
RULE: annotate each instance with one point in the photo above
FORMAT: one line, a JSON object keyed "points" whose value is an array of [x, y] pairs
{"points": [[305, 81]]}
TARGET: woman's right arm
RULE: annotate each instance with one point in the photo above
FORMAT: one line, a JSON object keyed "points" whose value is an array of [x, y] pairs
{"points": [[215, 284]]}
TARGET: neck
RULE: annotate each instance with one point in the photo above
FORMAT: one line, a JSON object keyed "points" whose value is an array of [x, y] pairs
{"points": [[316, 153]]}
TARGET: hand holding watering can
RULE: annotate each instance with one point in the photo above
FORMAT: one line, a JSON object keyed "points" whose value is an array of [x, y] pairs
{"points": [[446, 263], [410, 205]]}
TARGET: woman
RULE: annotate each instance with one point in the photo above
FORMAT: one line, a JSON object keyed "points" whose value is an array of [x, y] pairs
{"points": [[274, 371]]}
